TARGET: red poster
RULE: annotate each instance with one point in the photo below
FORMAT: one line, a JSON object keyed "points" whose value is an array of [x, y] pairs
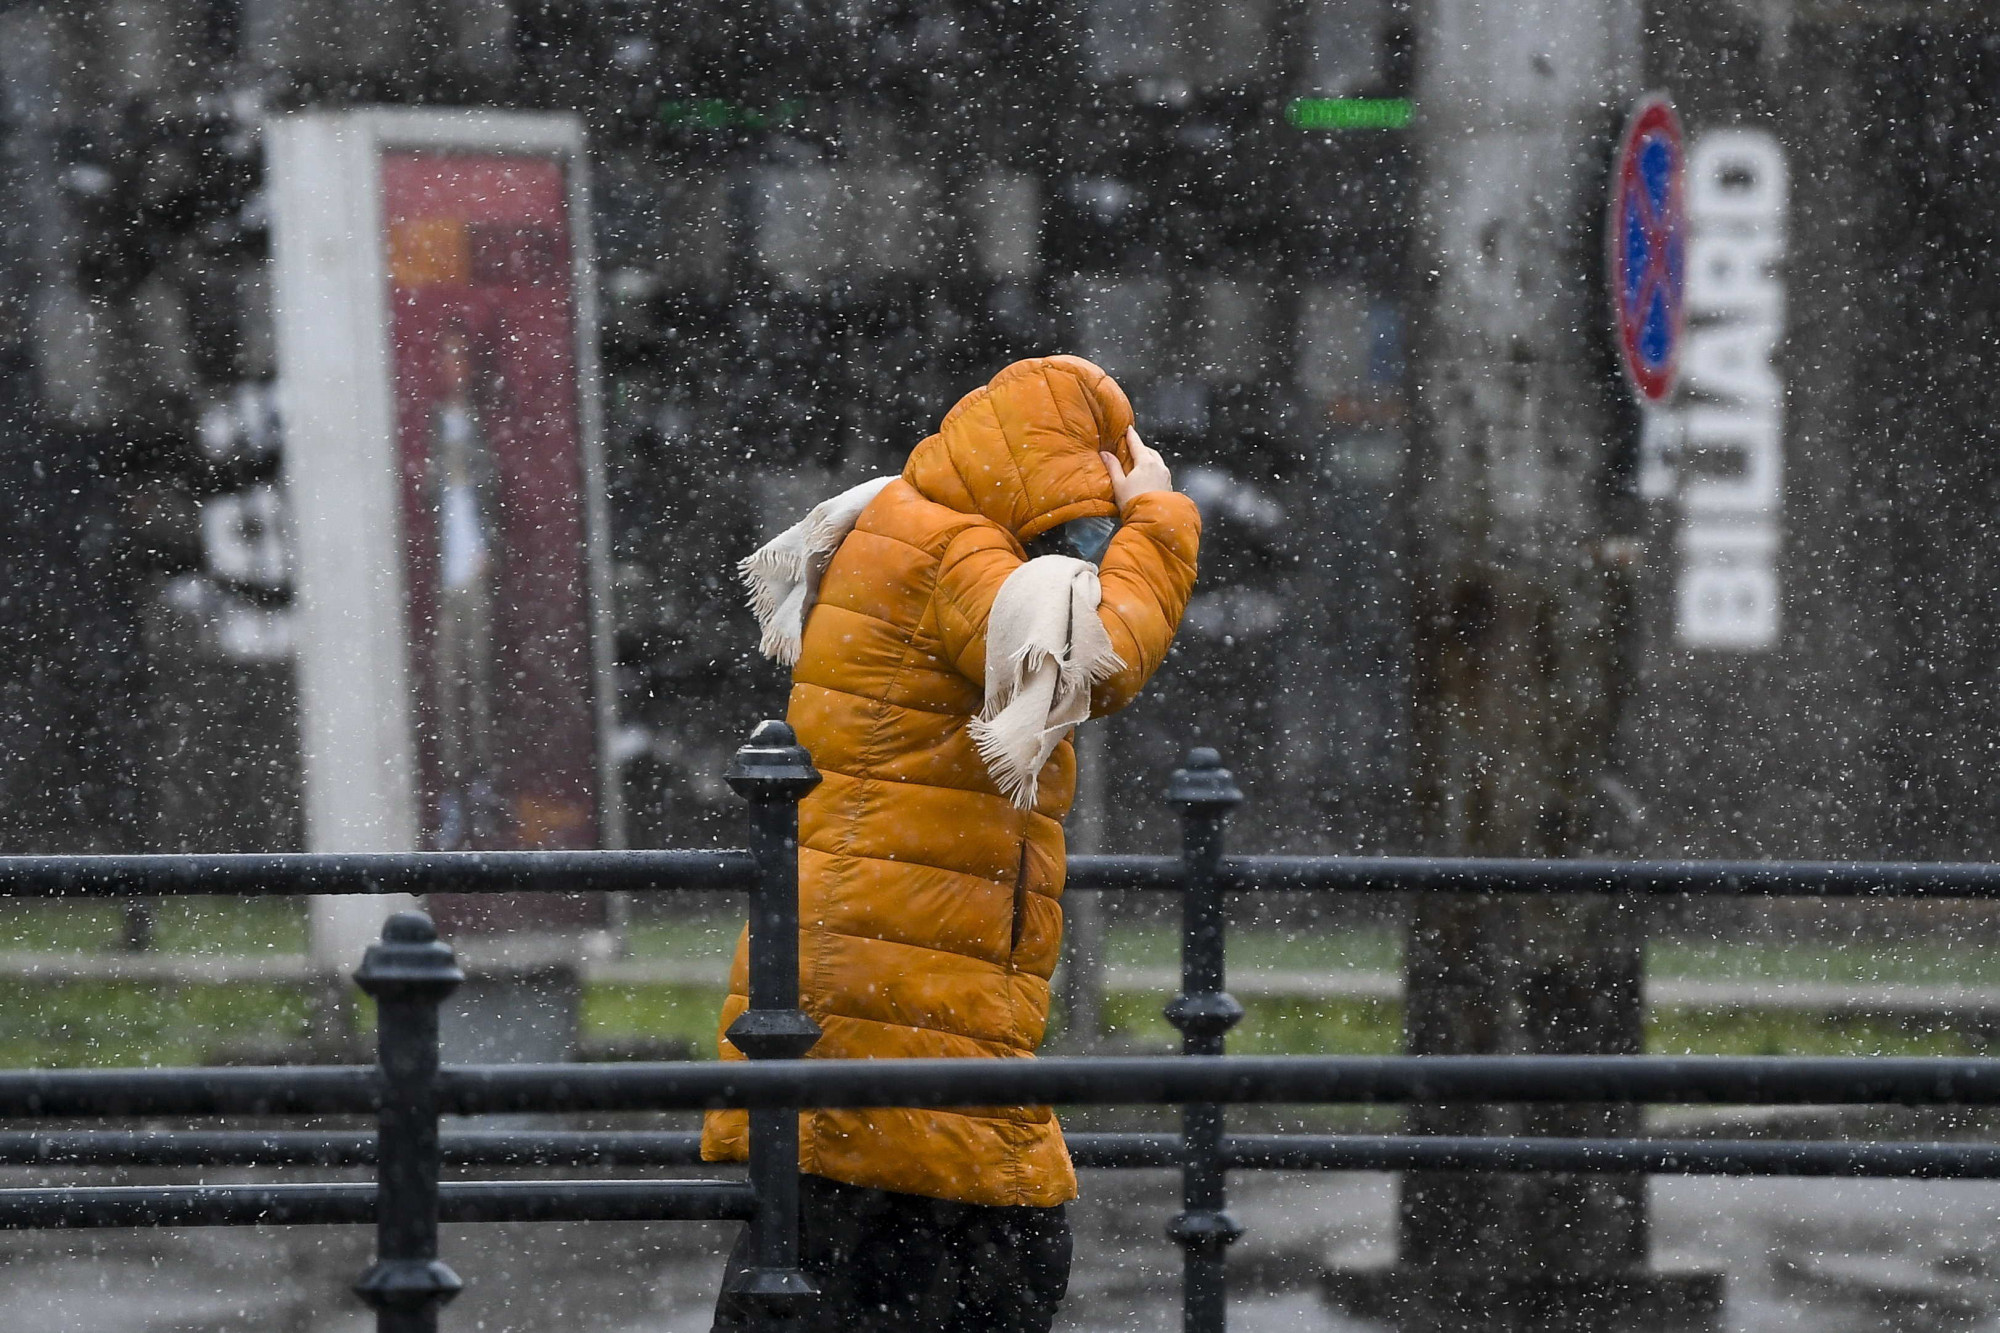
{"points": [[483, 339]]}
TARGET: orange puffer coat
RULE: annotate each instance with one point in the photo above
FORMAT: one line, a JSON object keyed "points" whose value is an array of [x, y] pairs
{"points": [[928, 903]]}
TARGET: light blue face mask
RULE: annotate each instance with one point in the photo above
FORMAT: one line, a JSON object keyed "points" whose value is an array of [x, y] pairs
{"points": [[1090, 536]]}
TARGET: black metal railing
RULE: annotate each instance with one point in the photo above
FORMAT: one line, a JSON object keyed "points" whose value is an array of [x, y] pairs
{"points": [[411, 974]]}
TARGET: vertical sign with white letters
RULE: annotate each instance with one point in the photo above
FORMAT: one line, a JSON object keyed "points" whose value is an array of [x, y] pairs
{"points": [[1731, 419]]}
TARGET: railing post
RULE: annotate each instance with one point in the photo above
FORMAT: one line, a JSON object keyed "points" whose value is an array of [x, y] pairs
{"points": [[1204, 1011], [773, 772], [408, 976]]}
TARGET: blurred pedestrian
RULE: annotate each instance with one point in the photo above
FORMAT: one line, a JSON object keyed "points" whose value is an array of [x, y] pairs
{"points": [[948, 629]]}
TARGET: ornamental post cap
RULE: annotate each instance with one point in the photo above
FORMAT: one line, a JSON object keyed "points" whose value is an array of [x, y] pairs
{"points": [[1203, 786], [771, 766], [410, 961]]}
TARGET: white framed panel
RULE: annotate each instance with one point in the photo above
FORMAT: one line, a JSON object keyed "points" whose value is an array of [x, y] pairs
{"points": [[346, 474]]}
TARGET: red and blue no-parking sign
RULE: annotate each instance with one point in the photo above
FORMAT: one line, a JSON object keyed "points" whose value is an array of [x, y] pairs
{"points": [[1648, 245]]}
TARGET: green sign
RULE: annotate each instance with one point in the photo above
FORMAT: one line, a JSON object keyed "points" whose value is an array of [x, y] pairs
{"points": [[1350, 113], [715, 113]]}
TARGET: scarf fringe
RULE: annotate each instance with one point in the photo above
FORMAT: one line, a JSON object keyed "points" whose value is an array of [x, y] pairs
{"points": [[1038, 687], [783, 574]]}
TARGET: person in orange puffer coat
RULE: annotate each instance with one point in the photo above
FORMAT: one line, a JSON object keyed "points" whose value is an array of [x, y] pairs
{"points": [[939, 668]]}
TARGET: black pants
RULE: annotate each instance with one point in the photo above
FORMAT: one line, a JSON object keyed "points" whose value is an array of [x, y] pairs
{"points": [[900, 1263]]}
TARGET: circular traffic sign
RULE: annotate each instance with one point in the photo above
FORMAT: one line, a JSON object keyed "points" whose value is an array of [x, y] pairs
{"points": [[1648, 246]]}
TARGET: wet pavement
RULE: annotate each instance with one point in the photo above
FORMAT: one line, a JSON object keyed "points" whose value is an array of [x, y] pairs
{"points": [[1831, 1256]]}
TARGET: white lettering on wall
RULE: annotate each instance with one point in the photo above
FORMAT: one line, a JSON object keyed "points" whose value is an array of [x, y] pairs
{"points": [[1731, 430], [239, 600]]}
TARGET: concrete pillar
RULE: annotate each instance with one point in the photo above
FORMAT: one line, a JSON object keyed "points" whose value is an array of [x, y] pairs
{"points": [[1519, 588]]}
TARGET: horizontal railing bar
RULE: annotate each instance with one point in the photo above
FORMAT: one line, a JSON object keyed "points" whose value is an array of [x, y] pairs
{"points": [[1411, 874], [650, 870], [1740, 1080], [424, 872], [595, 1201], [306, 1148], [1309, 1152], [326, 1204], [186, 1206], [1734, 1080], [110, 1147], [572, 1148], [272, 1090], [1660, 1157]]}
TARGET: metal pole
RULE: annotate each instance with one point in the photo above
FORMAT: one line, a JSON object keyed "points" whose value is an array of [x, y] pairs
{"points": [[408, 975], [1203, 1012], [773, 772]]}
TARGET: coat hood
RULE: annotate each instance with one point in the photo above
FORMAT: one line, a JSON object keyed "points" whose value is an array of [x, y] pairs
{"points": [[1022, 451]]}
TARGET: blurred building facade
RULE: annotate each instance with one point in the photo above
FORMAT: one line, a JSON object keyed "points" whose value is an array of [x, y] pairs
{"points": [[818, 225]]}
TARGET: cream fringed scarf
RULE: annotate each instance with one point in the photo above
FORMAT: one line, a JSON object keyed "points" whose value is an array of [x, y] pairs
{"points": [[1045, 646], [784, 573], [1045, 649]]}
